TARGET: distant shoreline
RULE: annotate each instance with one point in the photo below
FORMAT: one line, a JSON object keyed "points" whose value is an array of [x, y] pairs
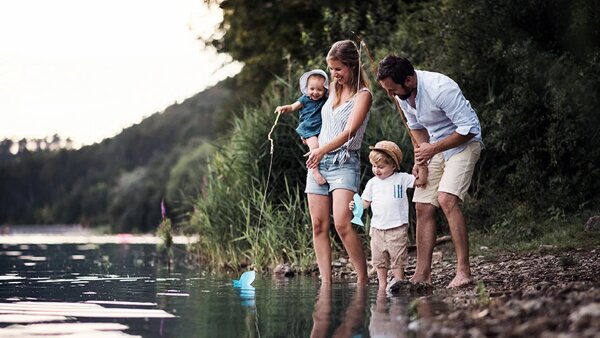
{"points": [[90, 239]]}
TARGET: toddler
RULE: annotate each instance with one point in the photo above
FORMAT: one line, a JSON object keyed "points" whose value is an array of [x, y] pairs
{"points": [[314, 85], [386, 195]]}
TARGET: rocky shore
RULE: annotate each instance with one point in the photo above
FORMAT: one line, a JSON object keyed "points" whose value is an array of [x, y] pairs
{"points": [[547, 293]]}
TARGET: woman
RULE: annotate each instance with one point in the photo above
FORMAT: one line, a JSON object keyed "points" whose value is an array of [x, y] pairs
{"points": [[345, 116]]}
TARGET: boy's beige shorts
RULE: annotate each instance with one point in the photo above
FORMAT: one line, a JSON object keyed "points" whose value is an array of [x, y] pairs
{"points": [[389, 248]]}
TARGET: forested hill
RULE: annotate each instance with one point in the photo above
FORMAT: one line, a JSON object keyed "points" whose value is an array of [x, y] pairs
{"points": [[119, 181]]}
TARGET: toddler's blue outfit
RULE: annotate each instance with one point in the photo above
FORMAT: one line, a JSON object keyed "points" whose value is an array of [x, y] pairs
{"points": [[310, 113], [310, 116]]}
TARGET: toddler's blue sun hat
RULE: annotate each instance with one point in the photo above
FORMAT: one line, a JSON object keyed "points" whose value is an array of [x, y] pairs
{"points": [[304, 80]]}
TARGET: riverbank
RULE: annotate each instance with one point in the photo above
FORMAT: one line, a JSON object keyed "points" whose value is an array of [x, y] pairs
{"points": [[549, 292]]}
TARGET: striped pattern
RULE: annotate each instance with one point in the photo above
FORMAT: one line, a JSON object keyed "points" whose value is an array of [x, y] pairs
{"points": [[334, 122]]}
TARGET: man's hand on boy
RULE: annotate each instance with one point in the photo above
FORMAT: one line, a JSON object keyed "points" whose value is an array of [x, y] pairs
{"points": [[424, 152]]}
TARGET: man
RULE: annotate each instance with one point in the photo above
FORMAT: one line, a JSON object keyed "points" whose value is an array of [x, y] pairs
{"points": [[448, 136]]}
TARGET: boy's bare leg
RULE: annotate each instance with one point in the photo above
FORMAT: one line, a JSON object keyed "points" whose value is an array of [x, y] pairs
{"points": [[396, 283], [398, 273], [313, 143], [382, 278]]}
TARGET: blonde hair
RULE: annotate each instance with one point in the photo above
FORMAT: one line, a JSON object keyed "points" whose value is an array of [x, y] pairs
{"points": [[346, 52], [376, 157]]}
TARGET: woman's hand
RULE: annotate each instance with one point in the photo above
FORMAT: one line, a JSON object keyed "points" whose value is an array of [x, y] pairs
{"points": [[313, 158]]}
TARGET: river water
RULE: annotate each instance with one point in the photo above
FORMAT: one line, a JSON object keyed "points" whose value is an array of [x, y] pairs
{"points": [[125, 289]]}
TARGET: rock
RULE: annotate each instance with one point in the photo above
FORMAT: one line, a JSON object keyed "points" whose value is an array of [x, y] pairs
{"points": [[284, 269], [585, 315], [437, 257], [593, 224], [372, 272]]}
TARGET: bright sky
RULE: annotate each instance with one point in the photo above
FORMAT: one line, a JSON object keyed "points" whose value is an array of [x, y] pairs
{"points": [[86, 69]]}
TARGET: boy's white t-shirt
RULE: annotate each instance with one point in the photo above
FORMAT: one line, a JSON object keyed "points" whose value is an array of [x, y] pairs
{"points": [[389, 202]]}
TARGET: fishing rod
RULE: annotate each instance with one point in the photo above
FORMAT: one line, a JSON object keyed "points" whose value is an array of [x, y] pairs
{"points": [[400, 111]]}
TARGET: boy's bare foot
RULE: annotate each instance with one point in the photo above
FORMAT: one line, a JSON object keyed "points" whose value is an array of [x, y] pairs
{"points": [[460, 280], [318, 177]]}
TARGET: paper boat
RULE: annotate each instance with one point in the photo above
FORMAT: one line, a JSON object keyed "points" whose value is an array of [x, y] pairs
{"points": [[357, 211], [245, 280]]}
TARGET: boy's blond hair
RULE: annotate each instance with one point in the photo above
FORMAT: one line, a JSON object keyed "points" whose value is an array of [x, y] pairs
{"points": [[377, 157]]}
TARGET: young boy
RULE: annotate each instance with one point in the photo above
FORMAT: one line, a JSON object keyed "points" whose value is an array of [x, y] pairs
{"points": [[314, 85], [386, 195]]}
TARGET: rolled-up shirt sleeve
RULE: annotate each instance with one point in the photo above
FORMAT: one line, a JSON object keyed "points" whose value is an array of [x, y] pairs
{"points": [[458, 109]]}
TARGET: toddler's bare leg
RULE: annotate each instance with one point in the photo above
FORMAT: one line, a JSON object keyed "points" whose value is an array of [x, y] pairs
{"points": [[313, 143], [382, 278], [398, 273]]}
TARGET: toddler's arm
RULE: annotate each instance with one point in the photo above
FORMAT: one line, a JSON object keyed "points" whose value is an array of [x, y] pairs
{"points": [[289, 107]]}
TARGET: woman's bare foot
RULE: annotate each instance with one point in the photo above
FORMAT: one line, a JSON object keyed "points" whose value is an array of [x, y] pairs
{"points": [[318, 177], [460, 280]]}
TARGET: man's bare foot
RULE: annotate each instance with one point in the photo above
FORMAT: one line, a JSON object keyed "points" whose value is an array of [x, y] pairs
{"points": [[460, 280], [318, 177]]}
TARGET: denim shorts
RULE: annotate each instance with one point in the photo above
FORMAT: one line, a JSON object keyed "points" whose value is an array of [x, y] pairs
{"points": [[338, 176]]}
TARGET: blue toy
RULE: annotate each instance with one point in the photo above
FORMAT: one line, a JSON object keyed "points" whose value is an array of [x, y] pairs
{"points": [[357, 211], [245, 280]]}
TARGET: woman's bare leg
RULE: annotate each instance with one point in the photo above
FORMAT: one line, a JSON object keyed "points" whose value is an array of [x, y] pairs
{"points": [[320, 206], [350, 239]]}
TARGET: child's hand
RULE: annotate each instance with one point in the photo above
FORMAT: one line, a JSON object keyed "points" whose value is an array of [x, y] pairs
{"points": [[351, 205], [283, 109], [421, 175]]}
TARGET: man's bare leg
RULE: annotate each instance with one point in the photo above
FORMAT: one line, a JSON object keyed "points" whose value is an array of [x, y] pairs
{"points": [[458, 229], [425, 242]]}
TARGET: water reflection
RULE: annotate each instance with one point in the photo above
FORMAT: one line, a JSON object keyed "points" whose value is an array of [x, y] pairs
{"points": [[352, 319], [388, 317], [130, 284]]}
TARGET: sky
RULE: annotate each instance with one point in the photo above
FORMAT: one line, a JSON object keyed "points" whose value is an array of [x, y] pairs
{"points": [[87, 69]]}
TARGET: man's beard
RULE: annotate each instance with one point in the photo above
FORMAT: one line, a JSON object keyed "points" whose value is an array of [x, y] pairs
{"points": [[408, 93]]}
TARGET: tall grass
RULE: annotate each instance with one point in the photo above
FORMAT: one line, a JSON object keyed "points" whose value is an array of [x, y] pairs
{"points": [[241, 218]]}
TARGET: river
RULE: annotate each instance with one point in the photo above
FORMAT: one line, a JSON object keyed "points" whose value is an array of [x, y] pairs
{"points": [[122, 287]]}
